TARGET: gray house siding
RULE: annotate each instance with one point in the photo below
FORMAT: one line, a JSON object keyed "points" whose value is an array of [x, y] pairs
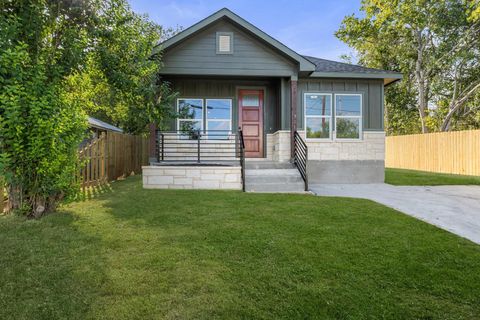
{"points": [[227, 88], [372, 91], [250, 57]]}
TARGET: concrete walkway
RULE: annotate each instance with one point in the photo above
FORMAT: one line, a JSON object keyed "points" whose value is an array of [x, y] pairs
{"points": [[453, 208]]}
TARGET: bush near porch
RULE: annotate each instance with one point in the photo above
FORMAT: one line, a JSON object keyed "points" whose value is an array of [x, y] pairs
{"points": [[140, 254]]}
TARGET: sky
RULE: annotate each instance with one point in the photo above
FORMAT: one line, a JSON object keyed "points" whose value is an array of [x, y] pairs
{"points": [[306, 26]]}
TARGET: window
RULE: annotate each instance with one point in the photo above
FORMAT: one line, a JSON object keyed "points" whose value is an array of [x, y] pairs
{"points": [[190, 114], [224, 42], [318, 115], [219, 117], [251, 100], [215, 113], [348, 116]]}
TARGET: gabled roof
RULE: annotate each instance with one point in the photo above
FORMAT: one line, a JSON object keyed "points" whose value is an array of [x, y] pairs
{"points": [[99, 124], [305, 64], [328, 68]]}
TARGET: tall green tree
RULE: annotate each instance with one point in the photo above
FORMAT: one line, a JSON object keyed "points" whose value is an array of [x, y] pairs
{"points": [[121, 74], [435, 44], [60, 60]]}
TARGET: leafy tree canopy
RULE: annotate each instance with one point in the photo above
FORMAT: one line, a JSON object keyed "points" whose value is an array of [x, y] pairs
{"points": [[61, 60], [435, 44]]}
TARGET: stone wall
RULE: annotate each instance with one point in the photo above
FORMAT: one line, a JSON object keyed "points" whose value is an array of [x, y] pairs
{"points": [[278, 146], [192, 177], [371, 147], [336, 161]]}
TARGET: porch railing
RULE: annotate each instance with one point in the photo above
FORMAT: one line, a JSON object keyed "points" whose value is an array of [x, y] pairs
{"points": [[242, 156], [300, 158], [202, 147], [198, 146]]}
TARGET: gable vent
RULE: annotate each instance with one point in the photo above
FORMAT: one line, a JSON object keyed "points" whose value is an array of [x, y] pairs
{"points": [[224, 42]]}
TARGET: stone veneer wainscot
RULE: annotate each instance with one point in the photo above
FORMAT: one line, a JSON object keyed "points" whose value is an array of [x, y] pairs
{"points": [[192, 177]]}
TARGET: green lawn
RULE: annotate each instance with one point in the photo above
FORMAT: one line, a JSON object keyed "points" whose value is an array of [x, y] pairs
{"points": [[402, 177], [140, 254]]}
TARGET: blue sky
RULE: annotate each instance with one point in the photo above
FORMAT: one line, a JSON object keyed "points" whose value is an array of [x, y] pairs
{"points": [[306, 26]]}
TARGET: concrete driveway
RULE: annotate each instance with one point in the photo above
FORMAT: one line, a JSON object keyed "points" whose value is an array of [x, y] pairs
{"points": [[453, 208]]}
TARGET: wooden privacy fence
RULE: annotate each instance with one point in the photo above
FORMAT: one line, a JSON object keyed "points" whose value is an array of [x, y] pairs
{"points": [[456, 152], [3, 193], [112, 156]]}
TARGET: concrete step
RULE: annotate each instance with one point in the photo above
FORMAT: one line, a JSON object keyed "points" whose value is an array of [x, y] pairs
{"points": [[265, 164], [292, 187], [272, 176], [273, 179], [271, 172]]}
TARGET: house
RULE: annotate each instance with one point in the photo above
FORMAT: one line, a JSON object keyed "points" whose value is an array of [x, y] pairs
{"points": [[97, 127], [300, 119]]}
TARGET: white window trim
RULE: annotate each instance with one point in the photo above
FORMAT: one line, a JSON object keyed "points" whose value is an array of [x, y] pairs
{"points": [[217, 42], [330, 117], [192, 120], [231, 113], [360, 117]]}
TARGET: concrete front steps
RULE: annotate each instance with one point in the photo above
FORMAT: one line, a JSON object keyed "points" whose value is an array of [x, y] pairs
{"points": [[272, 176]]}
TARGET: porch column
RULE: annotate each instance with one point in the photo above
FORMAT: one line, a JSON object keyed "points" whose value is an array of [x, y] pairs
{"points": [[293, 113], [152, 145]]}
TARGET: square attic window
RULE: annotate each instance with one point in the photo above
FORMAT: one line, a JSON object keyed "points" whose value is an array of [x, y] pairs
{"points": [[224, 42]]}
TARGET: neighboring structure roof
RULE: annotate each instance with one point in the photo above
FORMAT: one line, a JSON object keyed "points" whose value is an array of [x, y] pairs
{"points": [[305, 64], [99, 124], [325, 68]]}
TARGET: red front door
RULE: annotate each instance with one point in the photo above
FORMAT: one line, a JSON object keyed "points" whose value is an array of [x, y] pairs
{"points": [[250, 119]]}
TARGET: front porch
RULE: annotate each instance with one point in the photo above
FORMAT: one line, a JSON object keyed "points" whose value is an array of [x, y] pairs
{"points": [[216, 160]]}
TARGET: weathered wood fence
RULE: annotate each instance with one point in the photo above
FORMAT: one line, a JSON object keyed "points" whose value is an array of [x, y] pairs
{"points": [[107, 158], [3, 193], [112, 156], [456, 152]]}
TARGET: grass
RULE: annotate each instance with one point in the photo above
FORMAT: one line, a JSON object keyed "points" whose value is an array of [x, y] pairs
{"points": [[174, 254], [402, 177]]}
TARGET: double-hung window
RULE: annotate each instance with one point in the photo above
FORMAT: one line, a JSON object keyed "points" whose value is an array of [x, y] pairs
{"points": [[333, 115], [219, 117], [212, 116], [190, 115], [318, 115], [348, 116]]}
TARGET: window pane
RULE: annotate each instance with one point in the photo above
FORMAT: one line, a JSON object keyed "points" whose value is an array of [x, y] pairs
{"points": [[318, 105], [250, 100], [190, 109], [347, 105], [318, 128], [348, 128], [219, 109], [218, 129], [219, 125], [189, 126]]}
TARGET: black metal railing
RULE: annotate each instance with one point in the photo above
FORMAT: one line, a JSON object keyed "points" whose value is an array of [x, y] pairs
{"points": [[300, 157], [202, 147], [242, 156], [198, 146]]}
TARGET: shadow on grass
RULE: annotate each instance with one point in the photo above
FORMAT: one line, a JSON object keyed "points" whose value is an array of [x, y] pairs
{"points": [[229, 254], [90, 193], [135, 253], [49, 268]]}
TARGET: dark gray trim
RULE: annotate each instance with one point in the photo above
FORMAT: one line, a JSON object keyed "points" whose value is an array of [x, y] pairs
{"points": [[304, 64], [388, 77], [226, 72], [217, 44]]}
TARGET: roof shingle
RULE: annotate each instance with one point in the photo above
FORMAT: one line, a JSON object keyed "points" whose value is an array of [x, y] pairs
{"points": [[323, 65]]}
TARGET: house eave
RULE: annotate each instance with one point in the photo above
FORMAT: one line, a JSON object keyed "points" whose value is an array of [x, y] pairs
{"points": [[388, 78]]}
